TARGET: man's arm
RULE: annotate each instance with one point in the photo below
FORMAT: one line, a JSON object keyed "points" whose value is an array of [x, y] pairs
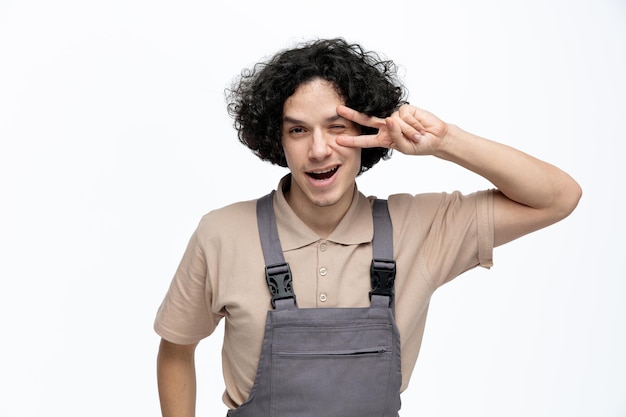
{"points": [[176, 375], [531, 193]]}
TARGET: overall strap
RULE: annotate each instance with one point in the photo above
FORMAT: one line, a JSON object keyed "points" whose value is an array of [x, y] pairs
{"points": [[277, 271], [383, 269]]}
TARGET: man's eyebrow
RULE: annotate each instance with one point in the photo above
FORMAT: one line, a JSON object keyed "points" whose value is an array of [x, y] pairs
{"points": [[334, 118], [287, 119]]}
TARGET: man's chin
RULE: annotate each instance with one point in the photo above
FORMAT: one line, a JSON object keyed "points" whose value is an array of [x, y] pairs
{"points": [[324, 203]]}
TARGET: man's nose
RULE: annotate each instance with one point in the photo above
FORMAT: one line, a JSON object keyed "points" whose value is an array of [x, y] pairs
{"points": [[320, 145]]}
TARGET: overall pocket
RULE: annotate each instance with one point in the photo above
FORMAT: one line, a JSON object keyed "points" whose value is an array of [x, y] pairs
{"points": [[331, 371]]}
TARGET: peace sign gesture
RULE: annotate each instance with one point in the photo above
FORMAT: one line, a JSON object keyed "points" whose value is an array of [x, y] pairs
{"points": [[409, 130]]}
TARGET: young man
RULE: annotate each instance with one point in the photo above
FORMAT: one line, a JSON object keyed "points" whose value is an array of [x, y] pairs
{"points": [[328, 111]]}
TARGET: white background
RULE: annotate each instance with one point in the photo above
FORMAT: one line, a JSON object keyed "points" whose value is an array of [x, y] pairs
{"points": [[115, 140]]}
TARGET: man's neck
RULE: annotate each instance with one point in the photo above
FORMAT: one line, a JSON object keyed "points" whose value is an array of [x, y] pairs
{"points": [[323, 220]]}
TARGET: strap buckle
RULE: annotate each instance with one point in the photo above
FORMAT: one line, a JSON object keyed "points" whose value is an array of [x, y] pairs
{"points": [[279, 281], [383, 276]]}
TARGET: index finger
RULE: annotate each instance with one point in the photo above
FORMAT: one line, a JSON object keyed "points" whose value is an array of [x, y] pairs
{"points": [[358, 117]]}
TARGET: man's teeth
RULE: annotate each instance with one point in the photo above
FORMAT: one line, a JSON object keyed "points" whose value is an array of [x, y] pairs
{"points": [[322, 175], [325, 172]]}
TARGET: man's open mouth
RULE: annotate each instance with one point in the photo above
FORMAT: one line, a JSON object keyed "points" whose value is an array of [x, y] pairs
{"points": [[323, 175]]}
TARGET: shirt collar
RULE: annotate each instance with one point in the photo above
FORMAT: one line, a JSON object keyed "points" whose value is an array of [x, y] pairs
{"points": [[356, 226]]}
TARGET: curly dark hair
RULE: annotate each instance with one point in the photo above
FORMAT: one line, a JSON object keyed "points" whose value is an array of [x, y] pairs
{"points": [[366, 82]]}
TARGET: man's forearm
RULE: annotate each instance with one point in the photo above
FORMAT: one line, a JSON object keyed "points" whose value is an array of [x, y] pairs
{"points": [[176, 376], [519, 176]]}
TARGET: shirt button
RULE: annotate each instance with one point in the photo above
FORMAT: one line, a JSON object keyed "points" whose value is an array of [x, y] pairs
{"points": [[323, 271], [323, 297], [323, 247]]}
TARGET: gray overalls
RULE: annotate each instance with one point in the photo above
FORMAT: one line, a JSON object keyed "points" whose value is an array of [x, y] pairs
{"points": [[327, 362]]}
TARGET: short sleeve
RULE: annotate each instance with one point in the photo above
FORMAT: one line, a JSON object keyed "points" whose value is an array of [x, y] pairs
{"points": [[185, 315], [485, 228], [444, 234], [460, 235]]}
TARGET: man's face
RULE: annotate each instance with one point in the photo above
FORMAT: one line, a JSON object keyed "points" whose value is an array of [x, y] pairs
{"points": [[323, 172]]}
